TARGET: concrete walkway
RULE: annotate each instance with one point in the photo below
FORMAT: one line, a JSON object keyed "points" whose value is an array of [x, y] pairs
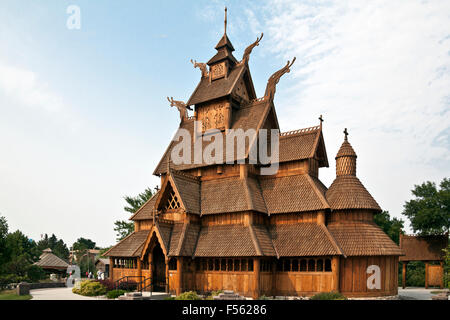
{"points": [[59, 294], [412, 293]]}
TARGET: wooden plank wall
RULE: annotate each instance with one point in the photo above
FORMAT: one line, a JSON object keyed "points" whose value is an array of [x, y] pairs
{"points": [[302, 283], [353, 276]]}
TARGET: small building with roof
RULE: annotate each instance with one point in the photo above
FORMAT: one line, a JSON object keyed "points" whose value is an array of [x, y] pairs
{"points": [[52, 263], [228, 225]]}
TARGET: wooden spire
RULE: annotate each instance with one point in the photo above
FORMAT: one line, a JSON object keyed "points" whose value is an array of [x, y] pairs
{"points": [[225, 22]]}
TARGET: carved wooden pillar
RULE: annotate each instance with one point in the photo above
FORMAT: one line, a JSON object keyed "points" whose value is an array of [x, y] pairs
{"points": [[111, 269], [404, 263], [256, 278], [274, 278], [335, 271], [179, 285], [139, 270], [167, 276]]}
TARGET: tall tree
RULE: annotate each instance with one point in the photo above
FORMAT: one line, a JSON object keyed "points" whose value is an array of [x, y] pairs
{"points": [[59, 248], [429, 212], [124, 228], [83, 244], [392, 227], [3, 247]]}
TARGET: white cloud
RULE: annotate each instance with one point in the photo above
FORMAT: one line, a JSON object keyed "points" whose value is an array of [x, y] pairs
{"points": [[23, 86], [379, 68]]}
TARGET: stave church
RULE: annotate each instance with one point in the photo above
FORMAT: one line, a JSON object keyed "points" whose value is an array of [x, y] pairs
{"points": [[227, 226]]}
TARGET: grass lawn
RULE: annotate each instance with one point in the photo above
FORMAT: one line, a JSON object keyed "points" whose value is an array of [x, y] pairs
{"points": [[11, 295]]}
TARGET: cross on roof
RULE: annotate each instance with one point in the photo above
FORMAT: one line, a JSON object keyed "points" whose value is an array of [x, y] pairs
{"points": [[321, 119], [346, 134]]}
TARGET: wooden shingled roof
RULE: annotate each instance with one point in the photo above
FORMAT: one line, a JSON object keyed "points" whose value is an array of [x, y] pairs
{"points": [[130, 246], [48, 260], [303, 239], [146, 211], [206, 90], [363, 239], [347, 192], [423, 248], [297, 193]]}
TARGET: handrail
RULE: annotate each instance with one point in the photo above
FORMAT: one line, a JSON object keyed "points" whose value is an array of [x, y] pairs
{"points": [[117, 282]]}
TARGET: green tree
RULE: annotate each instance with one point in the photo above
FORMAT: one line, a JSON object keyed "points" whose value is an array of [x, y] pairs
{"points": [[392, 227], [59, 248], [22, 252], [429, 212], [124, 228], [83, 244], [3, 234]]}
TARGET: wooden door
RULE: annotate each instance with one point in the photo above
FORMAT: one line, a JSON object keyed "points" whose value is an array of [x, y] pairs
{"points": [[434, 275], [159, 269]]}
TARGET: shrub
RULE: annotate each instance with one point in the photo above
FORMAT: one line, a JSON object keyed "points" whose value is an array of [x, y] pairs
{"points": [[213, 294], [35, 273], [188, 295], [329, 296], [108, 284], [128, 286], [264, 297], [90, 288], [113, 294]]}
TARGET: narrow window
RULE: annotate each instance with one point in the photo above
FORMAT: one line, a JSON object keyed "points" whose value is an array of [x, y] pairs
{"points": [[311, 265], [244, 265], [204, 266], [237, 265], [250, 264], [280, 265], [295, 265], [327, 265], [320, 265], [230, 265], [303, 266], [286, 265], [217, 265], [210, 264], [173, 264], [223, 265]]}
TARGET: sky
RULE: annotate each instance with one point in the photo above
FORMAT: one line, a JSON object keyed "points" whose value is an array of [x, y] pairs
{"points": [[84, 118]]}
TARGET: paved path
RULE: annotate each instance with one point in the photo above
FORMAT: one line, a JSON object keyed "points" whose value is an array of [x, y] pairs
{"points": [[411, 293], [58, 294]]}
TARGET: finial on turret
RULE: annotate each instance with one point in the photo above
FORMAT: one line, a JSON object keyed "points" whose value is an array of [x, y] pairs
{"points": [[346, 134], [321, 120], [225, 22]]}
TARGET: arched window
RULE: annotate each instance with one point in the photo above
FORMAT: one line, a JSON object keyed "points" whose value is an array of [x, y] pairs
{"points": [[303, 266], [311, 265], [319, 265], [327, 265]]}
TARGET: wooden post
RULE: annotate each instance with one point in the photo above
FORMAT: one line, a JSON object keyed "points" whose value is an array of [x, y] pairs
{"points": [[274, 277], [426, 275], [139, 270], [167, 275], [256, 277], [335, 271], [111, 269], [404, 263], [321, 217], [179, 288], [442, 275]]}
